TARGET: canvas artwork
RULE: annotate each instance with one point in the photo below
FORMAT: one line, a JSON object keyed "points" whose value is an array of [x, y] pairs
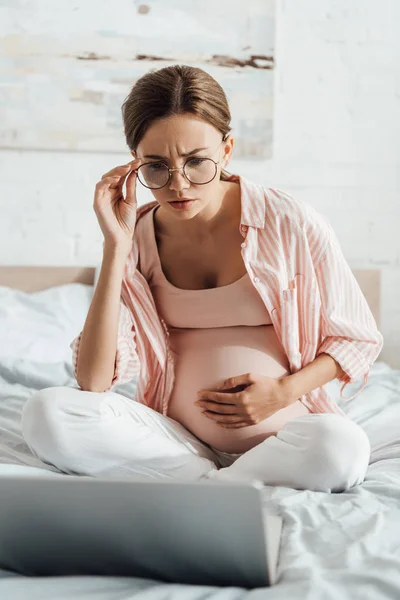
{"points": [[67, 66]]}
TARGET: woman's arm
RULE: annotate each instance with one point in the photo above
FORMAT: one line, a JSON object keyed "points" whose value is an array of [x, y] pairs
{"points": [[104, 353], [349, 331], [318, 372], [351, 341]]}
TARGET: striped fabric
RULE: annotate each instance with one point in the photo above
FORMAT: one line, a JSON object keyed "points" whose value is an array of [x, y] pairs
{"points": [[296, 264]]}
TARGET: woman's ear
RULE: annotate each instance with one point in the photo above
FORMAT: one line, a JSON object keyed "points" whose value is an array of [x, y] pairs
{"points": [[228, 149]]}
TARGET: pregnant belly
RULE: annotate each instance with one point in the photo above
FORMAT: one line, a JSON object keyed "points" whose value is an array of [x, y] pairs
{"points": [[204, 358]]}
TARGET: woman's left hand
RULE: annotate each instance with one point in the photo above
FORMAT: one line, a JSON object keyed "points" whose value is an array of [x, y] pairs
{"points": [[256, 398]]}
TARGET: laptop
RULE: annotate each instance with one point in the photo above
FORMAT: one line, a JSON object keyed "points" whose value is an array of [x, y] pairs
{"points": [[198, 532]]}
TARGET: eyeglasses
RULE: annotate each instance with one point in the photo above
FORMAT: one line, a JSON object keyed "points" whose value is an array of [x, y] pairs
{"points": [[198, 171]]}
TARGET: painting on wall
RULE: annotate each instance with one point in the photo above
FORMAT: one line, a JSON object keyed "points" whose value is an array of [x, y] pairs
{"points": [[68, 66]]}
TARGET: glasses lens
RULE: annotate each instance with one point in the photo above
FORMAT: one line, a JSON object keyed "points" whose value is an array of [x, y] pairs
{"points": [[153, 175], [200, 170]]}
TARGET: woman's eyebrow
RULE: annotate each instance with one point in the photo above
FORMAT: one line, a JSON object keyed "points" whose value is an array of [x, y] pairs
{"points": [[156, 156]]}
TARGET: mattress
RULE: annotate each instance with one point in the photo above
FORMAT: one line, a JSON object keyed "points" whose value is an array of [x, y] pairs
{"points": [[333, 546]]}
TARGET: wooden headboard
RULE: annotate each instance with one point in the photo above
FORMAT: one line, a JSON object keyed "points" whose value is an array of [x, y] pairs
{"points": [[33, 279]]}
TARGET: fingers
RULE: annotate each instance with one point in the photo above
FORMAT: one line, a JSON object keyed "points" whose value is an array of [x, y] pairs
{"points": [[226, 409], [222, 397], [117, 176], [122, 170], [108, 186], [131, 184], [224, 418], [108, 182], [228, 422]]}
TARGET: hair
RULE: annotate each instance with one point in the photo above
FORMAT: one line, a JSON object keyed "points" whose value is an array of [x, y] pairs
{"points": [[174, 90]]}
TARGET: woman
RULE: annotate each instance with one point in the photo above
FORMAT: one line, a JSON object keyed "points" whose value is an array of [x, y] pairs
{"points": [[232, 303]]}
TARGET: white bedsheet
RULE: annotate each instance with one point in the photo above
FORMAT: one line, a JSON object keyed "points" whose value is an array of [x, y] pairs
{"points": [[334, 546]]}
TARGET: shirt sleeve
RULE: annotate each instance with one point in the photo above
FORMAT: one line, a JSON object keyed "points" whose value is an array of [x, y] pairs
{"points": [[349, 331], [127, 365]]}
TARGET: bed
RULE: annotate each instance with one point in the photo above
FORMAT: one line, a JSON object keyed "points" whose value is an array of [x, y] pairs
{"points": [[333, 546]]}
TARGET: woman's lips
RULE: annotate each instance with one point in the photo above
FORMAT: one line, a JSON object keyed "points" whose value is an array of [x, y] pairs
{"points": [[181, 199], [182, 204]]}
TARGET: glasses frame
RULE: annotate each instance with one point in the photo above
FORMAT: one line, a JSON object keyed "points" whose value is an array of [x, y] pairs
{"points": [[182, 168]]}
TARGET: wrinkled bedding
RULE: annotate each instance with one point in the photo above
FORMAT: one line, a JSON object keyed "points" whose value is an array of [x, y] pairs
{"points": [[333, 546]]}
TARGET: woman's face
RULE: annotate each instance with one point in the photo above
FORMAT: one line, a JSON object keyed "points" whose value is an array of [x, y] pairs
{"points": [[173, 141]]}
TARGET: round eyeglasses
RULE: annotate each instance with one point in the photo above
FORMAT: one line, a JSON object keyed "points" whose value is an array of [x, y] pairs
{"points": [[198, 171]]}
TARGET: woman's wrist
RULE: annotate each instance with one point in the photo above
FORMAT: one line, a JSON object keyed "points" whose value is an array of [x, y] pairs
{"points": [[287, 392], [116, 251]]}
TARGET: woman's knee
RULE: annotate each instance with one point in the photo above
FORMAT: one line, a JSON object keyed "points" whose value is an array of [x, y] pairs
{"points": [[339, 451], [43, 420], [41, 408]]}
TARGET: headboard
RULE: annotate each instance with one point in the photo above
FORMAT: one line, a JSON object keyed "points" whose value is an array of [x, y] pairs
{"points": [[33, 279]]}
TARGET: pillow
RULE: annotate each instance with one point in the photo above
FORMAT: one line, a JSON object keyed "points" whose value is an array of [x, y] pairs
{"points": [[40, 326]]}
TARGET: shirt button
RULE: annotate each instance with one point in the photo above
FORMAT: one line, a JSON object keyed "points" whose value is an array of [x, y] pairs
{"points": [[256, 279]]}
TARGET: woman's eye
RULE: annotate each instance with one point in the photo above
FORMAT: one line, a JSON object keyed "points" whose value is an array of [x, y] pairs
{"points": [[156, 166], [194, 162]]}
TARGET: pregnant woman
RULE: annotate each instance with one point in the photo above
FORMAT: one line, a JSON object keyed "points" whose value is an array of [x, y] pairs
{"points": [[231, 303]]}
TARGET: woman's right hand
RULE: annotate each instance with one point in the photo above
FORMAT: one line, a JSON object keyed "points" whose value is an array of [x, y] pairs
{"points": [[117, 215]]}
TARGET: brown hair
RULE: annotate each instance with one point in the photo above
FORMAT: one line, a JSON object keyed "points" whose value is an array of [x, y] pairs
{"points": [[174, 90]]}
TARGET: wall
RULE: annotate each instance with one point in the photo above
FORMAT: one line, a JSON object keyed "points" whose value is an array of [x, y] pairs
{"points": [[336, 145], [67, 66]]}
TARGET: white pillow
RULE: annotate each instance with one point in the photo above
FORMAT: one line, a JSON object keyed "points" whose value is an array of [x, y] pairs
{"points": [[41, 325]]}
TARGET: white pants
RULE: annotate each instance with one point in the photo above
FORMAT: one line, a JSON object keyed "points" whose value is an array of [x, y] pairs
{"points": [[107, 434]]}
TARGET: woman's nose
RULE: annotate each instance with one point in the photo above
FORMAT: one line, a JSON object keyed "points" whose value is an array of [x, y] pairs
{"points": [[178, 181]]}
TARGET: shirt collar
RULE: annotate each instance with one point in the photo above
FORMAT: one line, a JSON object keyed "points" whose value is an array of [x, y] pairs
{"points": [[253, 202]]}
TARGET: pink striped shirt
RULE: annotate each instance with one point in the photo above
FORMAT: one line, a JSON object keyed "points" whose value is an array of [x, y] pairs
{"points": [[296, 264]]}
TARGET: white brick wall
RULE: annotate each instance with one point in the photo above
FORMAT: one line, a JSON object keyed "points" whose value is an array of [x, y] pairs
{"points": [[336, 145]]}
